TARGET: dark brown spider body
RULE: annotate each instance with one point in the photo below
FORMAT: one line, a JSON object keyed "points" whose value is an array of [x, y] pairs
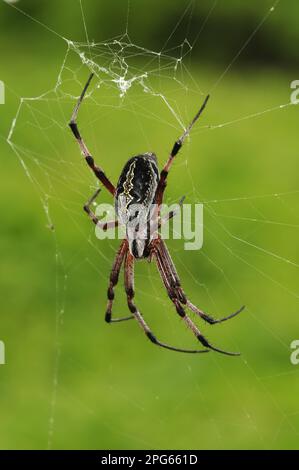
{"points": [[134, 199], [138, 188], [138, 180]]}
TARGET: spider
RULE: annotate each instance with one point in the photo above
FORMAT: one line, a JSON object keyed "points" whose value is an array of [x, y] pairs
{"points": [[140, 182]]}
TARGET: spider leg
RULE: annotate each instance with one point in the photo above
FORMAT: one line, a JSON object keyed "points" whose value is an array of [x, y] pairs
{"points": [[167, 278], [129, 286], [89, 159], [171, 214], [177, 145], [208, 318], [104, 226], [182, 296], [114, 275]]}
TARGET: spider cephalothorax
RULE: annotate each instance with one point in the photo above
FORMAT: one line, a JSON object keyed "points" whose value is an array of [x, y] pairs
{"points": [[138, 198]]}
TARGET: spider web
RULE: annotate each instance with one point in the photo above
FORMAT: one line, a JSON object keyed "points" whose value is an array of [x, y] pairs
{"points": [[245, 234]]}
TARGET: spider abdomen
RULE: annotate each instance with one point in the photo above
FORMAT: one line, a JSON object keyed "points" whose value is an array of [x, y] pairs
{"points": [[138, 180], [135, 194]]}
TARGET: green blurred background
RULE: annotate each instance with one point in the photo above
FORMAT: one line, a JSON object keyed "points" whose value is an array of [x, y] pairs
{"points": [[71, 381]]}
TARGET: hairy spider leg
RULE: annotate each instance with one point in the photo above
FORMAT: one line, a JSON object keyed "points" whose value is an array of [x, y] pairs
{"points": [[99, 173], [114, 275], [170, 278], [104, 226], [129, 286], [177, 145], [182, 296]]}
